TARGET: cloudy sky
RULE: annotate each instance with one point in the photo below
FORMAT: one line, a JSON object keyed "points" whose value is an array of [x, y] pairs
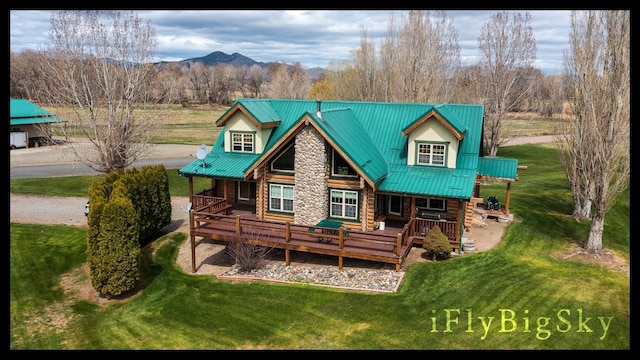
{"points": [[313, 38]]}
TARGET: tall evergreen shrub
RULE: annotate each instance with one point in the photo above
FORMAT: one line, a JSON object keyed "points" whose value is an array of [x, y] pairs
{"points": [[147, 192], [116, 253]]}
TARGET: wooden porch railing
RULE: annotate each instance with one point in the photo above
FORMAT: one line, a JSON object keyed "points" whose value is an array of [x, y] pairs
{"points": [[420, 227], [210, 217], [289, 231], [200, 202]]}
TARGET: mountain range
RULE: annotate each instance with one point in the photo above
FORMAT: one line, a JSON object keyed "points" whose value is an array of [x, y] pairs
{"points": [[235, 59]]}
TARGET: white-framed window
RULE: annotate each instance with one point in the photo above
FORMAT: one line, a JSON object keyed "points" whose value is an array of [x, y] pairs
{"points": [[281, 197], [285, 161], [344, 204], [394, 205], [246, 190], [340, 167], [431, 204], [431, 154], [242, 142]]}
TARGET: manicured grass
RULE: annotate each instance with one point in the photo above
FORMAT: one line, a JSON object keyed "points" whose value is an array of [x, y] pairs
{"points": [[525, 293]]}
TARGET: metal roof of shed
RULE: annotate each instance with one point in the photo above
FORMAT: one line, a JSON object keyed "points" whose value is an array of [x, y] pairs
{"points": [[24, 112]]}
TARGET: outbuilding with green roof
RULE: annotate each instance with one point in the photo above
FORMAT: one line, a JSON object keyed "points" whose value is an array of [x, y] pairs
{"points": [[31, 122]]}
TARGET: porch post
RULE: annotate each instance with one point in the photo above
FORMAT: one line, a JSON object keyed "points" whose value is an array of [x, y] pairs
{"points": [[193, 254], [506, 201], [462, 212]]}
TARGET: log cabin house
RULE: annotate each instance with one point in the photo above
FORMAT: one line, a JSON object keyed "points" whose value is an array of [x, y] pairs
{"points": [[350, 179]]}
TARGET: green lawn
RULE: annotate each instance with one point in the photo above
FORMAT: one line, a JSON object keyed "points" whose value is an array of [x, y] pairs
{"points": [[524, 294]]}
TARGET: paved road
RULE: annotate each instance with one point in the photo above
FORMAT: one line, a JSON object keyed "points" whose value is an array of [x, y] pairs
{"points": [[57, 160]]}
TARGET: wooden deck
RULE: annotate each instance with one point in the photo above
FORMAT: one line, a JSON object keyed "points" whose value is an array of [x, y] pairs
{"points": [[219, 221]]}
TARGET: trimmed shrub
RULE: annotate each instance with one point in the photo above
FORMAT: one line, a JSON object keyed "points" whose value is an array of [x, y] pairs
{"points": [[437, 244], [115, 260], [125, 209]]}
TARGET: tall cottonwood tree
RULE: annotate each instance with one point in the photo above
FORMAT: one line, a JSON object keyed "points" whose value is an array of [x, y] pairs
{"points": [[427, 54], [288, 82], [596, 141], [256, 80], [507, 46], [99, 63], [26, 80], [416, 62]]}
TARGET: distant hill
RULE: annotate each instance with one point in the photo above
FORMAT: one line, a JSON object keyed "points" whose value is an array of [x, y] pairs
{"points": [[235, 59]]}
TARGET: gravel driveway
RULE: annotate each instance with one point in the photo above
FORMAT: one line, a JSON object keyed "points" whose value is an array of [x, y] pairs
{"points": [[50, 210]]}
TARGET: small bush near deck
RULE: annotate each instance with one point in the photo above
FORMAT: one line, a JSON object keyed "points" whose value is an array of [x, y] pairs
{"points": [[437, 244], [248, 256]]}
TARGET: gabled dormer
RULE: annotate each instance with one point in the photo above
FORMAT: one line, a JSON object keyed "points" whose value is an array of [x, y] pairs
{"points": [[247, 127], [434, 139]]}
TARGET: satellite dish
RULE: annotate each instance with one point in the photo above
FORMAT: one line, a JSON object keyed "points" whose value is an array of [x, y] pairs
{"points": [[202, 152]]}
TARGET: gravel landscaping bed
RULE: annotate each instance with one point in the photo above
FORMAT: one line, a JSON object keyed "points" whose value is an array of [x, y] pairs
{"points": [[348, 278]]}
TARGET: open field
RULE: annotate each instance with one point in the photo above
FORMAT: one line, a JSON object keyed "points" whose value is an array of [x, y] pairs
{"points": [[192, 125], [195, 125]]}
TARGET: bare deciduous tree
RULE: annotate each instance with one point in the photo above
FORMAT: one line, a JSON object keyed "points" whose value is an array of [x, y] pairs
{"points": [[417, 61], [547, 96], [242, 79], [98, 62], [595, 144], [200, 82], [288, 82], [256, 79], [26, 79], [365, 69], [507, 46], [428, 54]]}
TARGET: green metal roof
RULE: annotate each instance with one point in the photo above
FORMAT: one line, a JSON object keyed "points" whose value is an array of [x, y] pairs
{"points": [[344, 129], [24, 112], [220, 165], [502, 168], [261, 111], [447, 115], [429, 181], [370, 134]]}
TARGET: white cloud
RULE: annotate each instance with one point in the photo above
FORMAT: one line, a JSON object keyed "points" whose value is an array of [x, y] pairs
{"points": [[311, 37]]}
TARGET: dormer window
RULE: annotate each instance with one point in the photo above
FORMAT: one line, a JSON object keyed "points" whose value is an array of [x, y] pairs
{"points": [[431, 154], [242, 142]]}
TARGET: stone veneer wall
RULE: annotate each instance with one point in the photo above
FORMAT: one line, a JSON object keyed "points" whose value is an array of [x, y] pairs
{"points": [[311, 197]]}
